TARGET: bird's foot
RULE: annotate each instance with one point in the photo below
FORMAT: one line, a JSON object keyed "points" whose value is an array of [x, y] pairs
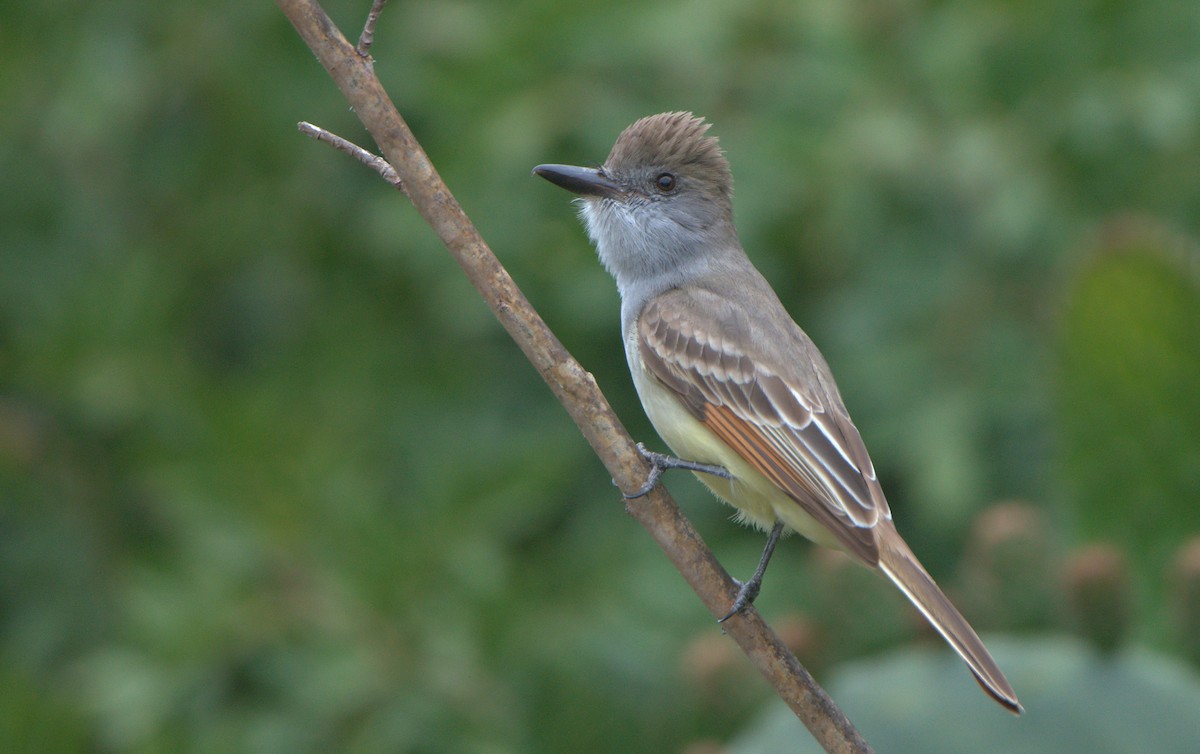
{"points": [[748, 590], [660, 462], [747, 593]]}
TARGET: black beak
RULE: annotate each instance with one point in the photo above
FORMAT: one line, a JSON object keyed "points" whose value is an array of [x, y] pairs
{"points": [[583, 181]]}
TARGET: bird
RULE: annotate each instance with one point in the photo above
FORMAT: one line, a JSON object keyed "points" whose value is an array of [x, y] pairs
{"points": [[735, 388]]}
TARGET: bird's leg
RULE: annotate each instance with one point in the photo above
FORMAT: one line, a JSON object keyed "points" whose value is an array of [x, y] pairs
{"points": [[660, 462], [748, 590]]}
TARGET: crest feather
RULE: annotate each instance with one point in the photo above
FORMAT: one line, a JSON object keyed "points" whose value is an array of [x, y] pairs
{"points": [[672, 141]]}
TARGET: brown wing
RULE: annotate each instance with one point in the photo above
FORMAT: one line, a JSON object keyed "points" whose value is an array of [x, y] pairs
{"points": [[787, 422]]}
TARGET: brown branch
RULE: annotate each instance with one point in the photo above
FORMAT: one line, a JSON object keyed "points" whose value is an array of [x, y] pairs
{"points": [[571, 384], [373, 161], [367, 38]]}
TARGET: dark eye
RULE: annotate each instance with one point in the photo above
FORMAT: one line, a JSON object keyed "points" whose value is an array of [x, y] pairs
{"points": [[665, 182]]}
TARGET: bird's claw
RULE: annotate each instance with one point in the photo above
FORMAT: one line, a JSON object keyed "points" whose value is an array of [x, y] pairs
{"points": [[660, 462], [747, 593]]}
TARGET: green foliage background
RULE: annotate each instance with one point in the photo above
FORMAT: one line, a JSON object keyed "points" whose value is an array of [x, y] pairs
{"points": [[272, 479]]}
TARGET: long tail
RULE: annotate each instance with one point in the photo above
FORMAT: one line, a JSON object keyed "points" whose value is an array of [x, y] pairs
{"points": [[901, 566]]}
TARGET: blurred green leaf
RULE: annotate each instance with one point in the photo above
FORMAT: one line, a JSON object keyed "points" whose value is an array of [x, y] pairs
{"points": [[1075, 701], [1130, 397]]}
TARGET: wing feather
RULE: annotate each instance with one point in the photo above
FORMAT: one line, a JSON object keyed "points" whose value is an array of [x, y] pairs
{"points": [[787, 427]]}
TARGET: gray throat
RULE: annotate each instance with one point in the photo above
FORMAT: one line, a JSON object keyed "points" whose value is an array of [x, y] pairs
{"points": [[650, 258]]}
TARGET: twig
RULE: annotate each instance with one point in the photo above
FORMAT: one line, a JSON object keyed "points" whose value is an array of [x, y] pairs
{"points": [[367, 38], [571, 384], [373, 161]]}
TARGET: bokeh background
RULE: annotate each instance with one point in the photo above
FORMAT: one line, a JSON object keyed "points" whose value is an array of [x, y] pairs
{"points": [[272, 478]]}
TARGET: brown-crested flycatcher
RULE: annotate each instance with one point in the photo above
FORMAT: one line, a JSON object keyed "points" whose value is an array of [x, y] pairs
{"points": [[730, 382]]}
